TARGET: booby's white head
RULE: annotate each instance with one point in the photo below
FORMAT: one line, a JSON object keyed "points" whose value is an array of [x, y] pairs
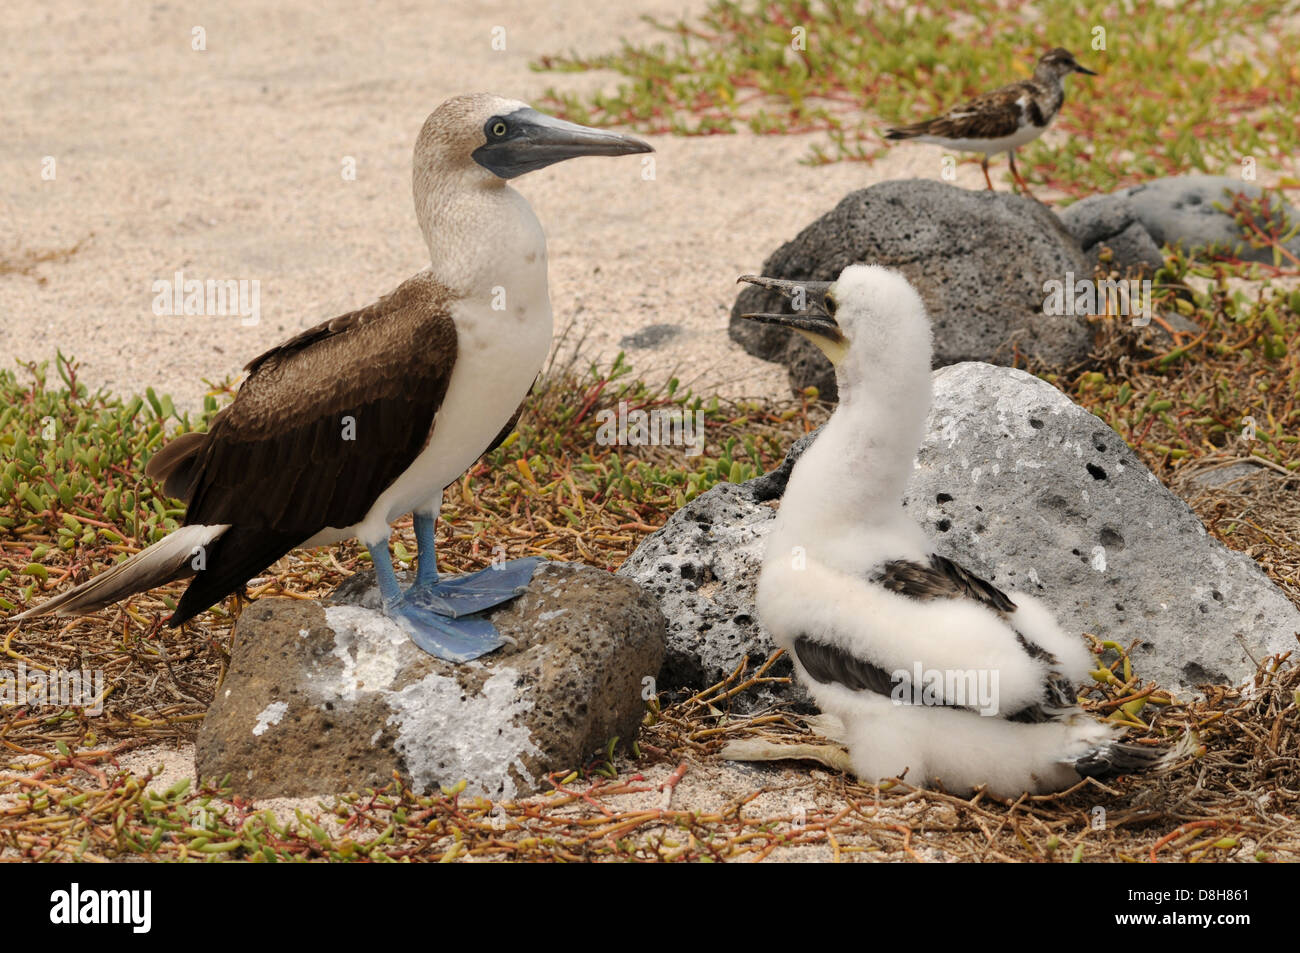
{"points": [[872, 325], [870, 322], [480, 232], [484, 139]]}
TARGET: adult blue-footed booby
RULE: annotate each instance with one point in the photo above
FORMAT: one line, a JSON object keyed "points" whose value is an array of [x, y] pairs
{"points": [[932, 670], [364, 418]]}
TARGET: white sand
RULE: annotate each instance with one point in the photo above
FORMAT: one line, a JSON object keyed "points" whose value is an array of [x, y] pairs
{"points": [[228, 163]]}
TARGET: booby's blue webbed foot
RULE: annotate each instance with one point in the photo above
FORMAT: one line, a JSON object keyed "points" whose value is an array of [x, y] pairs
{"points": [[442, 615], [452, 640], [460, 596]]}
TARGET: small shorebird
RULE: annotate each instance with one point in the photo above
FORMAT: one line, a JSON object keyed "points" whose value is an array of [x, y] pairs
{"points": [[931, 670], [1003, 120]]}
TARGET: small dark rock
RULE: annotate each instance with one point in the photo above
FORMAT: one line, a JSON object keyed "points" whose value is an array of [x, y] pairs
{"points": [[650, 337], [978, 259], [1176, 211]]}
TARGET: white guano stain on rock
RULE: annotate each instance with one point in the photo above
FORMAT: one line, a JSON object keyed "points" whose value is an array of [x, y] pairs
{"points": [[432, 717], [435, 716], [270, 715], [949, 430], [368, 644]]}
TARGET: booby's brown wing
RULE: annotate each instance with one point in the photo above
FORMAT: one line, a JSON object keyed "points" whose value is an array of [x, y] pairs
{"points": [[324, 423], [992, 115]]}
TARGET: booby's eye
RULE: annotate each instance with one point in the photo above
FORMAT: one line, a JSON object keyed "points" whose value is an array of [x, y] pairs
{"points": [[829, 302], [499, 128]]}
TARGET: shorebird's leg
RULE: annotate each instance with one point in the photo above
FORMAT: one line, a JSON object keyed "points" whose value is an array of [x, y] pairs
{"points": [[984, 164], [1015, 173]]}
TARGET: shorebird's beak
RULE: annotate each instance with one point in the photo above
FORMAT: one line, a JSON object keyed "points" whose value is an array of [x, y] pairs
{"points": [[810, 318], [1085, 72], [526, 140]]}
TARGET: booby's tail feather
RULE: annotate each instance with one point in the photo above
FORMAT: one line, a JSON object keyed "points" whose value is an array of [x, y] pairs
{"points": [[168, 559], [232, 560], [1116, 757]]}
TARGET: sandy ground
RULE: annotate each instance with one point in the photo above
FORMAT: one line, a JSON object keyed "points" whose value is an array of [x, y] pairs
{"points": [[227, 163]]}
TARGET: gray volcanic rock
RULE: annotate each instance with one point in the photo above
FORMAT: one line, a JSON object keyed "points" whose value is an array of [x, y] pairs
{"points": [[1223, 476], [1175, 211], [332, 698], [1112, 221], [1023, 487], [978, 259], [702, 566]]}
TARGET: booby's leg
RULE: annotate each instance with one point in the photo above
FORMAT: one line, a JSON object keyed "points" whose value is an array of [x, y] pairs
{"points": [[984, 164], [386, 579], [459, 596], [453, 640], [426, 570]]}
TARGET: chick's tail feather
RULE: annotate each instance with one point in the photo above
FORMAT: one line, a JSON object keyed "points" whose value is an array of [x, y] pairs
{"points": [[1114, 758], [168, 559]]}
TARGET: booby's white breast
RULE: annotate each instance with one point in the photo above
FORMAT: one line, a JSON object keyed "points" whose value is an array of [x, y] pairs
{"points": [[503, 335], [495, 367]]}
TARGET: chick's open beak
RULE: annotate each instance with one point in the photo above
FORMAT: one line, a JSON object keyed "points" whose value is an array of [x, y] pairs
{"points": [[810, 316]]}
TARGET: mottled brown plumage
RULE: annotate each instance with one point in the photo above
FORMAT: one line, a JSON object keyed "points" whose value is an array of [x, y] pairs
{"points": [[1001, 120], [994, 115]]}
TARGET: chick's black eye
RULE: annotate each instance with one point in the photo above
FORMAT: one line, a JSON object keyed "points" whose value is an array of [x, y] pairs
{"points": [[830, 305], [499, 128]]}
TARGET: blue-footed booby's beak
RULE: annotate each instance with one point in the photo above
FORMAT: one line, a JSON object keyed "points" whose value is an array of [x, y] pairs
{"points": [[526, 140], [814, 314]]}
